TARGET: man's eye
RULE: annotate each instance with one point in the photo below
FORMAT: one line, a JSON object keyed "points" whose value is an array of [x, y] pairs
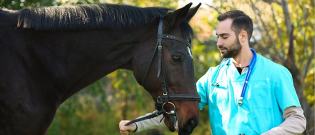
{"points": [[224, 37]]}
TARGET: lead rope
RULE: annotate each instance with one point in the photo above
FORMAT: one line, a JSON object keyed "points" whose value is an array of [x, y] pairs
{"points": [[154, 114]]}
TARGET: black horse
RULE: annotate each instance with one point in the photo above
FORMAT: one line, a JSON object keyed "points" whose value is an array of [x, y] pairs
{"points": [[48, 54]]}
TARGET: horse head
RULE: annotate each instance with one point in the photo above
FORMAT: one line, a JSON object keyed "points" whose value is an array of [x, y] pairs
{"points": [[168, 74]]}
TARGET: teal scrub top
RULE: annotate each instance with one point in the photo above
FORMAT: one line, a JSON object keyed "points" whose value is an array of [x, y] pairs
{"points": [[269, 91]]}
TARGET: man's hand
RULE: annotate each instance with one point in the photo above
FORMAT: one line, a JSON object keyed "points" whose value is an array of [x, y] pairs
{"points": [[125, 130]]}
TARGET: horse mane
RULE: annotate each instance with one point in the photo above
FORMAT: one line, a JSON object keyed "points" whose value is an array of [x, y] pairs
{"points": [[87, 17], [5, 10]]}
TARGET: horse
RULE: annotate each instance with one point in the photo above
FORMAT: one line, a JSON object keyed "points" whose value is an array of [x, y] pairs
{"points": [[48, 54]]}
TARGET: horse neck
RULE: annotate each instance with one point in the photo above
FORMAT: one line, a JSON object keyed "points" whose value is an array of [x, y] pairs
{"points": [[76, 59]]}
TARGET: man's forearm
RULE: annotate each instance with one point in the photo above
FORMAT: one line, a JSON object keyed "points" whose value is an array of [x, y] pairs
{"points": [[150, 123], [294, 123]]}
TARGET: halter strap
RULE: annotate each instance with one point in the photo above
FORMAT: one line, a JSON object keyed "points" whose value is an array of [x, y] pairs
{"points": [[159, 42], [159, 46], [175, 38]]}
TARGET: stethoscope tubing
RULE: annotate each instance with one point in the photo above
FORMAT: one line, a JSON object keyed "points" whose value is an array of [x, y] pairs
{"points": [[249, 71]]}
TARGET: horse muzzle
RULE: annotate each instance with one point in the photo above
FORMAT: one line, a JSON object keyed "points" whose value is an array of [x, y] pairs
{"points": [[188, 127]]}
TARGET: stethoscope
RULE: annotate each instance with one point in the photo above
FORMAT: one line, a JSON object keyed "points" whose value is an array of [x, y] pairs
{"points": [[249, 71]]}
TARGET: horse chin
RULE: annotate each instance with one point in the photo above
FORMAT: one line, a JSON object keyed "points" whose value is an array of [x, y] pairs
{"points": [[182, 131], [172, 128], [173, 123]]}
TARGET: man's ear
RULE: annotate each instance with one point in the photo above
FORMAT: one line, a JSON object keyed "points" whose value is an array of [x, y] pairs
{"points": [[243, 36]]}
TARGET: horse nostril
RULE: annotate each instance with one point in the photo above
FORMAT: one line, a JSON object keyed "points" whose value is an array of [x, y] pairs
{"points": [[190, 125]]}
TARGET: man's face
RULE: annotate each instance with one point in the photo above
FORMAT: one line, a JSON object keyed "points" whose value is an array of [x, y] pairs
{"points": [[228, 43]]}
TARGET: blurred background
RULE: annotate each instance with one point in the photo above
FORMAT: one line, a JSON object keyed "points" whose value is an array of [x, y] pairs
{"points": [[283, 32]]}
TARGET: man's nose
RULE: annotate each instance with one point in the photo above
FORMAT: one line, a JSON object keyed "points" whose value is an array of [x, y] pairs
{"points": [[219, 42]]}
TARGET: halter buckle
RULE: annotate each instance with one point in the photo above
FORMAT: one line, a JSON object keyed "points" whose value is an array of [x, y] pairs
{"points": [[161, 99]]}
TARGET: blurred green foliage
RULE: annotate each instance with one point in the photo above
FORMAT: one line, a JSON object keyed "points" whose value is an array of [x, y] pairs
{"points": [[98, 108]]}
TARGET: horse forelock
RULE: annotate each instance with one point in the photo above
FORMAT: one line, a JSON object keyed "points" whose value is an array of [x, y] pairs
{"points": [[87, 17], [187, 30]]}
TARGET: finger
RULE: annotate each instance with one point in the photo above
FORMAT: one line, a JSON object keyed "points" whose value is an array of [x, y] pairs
{"points": [[129, 128], [124, 132], [122, 123]]}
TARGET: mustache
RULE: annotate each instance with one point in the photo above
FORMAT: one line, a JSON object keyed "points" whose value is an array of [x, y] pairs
{"points": [[222, 47]]}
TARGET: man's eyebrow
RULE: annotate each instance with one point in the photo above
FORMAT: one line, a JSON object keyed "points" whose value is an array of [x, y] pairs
{"points": [[222, 34]]}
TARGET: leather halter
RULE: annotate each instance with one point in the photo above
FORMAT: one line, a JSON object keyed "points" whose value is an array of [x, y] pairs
{"points": [[166, 97]]}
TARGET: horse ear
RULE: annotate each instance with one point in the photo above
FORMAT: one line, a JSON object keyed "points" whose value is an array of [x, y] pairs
{"points": [[178, 15], [192, 12]]}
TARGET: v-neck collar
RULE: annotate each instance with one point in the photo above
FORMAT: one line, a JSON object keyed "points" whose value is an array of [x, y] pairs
{"points": [[232, 70]]}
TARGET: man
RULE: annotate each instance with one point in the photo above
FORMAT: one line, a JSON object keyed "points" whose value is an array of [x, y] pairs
{"points": [[246, 93]]}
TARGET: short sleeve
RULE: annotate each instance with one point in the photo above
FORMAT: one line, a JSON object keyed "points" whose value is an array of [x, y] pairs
{"points": [[202, 88], [284, 90]]}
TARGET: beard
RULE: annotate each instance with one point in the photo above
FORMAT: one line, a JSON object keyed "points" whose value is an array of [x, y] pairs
{"points": [[233, 50]]}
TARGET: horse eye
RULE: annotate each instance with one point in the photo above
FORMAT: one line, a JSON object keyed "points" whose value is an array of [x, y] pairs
{"points": [[176, 58]]}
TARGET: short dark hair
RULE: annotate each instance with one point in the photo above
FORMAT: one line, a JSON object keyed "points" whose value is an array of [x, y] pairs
{"points": [[241, 21]]}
